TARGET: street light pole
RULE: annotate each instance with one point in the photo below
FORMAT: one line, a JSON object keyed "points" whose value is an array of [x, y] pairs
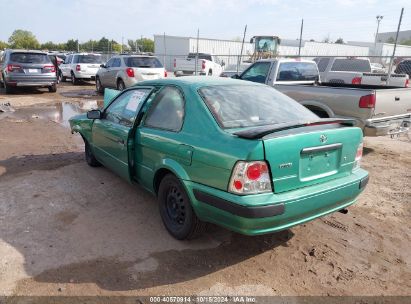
{"points": [[379, 18]]}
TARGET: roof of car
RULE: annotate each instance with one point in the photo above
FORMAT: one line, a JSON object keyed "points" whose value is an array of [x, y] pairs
{"points": [[26, 51], [199, 81]]}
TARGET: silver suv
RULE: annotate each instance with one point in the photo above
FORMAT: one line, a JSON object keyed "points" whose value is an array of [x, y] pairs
{"points": [[22, 68], [123, 71]]}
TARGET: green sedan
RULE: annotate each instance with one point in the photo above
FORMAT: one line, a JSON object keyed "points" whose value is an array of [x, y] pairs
{"points": [[237, 154]]}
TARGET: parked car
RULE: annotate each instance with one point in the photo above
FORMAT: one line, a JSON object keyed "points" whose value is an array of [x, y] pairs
{"points": [[124, 71], [81, 66], [237, 154], [404, 67], [231, 70], [23, 68], [207, 64], [357, 71], [377, 68], [378, 110]]}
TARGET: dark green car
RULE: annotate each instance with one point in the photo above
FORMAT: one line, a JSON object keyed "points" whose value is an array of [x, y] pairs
{"points": [[237, 154]]}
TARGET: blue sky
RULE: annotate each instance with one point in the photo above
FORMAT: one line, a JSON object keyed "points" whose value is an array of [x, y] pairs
{"points": [[59, 20]]}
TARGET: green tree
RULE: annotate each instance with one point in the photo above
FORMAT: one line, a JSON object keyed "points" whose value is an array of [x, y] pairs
{"points": [[71, 45], [339, 41], [391, 40], [49, 45], [406, 42], [3, 45], [21, 39], [146, 45]]}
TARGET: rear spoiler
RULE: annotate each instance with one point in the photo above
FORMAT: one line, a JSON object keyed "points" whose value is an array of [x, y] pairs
{"points": [[259, 132]]}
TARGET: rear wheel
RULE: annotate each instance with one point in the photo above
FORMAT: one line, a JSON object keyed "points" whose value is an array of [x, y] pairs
{"points": [[210, 73], [176, 211], [53, 88], [63, 78], [74, 80], [99, 87], [120, 85], [90, 159]]}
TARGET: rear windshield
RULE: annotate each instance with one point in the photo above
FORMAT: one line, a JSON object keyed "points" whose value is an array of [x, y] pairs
{"points": [[143, 62], [29, 58], [297, 71], [351, 65], [238, 106], [89, 59], [200, 56]]}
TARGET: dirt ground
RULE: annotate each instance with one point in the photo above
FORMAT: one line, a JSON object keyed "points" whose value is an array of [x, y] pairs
{"points": [[69, 229]]}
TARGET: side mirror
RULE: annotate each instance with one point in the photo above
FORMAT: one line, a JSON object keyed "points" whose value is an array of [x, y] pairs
{"points": [[252, 40], [102, 65], [94, 114], [235, 76], [222, 63]]}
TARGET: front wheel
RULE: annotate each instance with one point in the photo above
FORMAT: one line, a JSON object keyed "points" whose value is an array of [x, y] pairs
{"points": [[176, 211], [99, 87], [120, 85], [90, 158]]}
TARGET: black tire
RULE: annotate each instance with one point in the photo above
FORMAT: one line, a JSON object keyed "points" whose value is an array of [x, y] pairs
{"points": [[120, 85], [53, 88], [90, 159], [99, 87], [63, 78], [59, 76], [176, 211], [74, 80], [7, 88], [210, 73]]}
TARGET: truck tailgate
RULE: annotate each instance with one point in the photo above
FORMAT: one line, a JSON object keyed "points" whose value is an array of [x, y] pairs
{"points": [[392, 102], [187, 65]]}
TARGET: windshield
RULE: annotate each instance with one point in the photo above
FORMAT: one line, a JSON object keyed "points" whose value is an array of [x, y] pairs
{"points": [[89, 59], [238, 106], [29, 58], [351, 65], [297, 71], [143, 62], [257, 72]]}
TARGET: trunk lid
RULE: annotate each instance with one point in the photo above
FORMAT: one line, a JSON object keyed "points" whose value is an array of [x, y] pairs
{"points": [[313, 155], [148, 73]]}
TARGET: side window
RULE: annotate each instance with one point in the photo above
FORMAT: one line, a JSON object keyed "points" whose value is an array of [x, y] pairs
{"points": [[68, 60], [257, 72], [322, 64], [109, 63], [124, 109], [116, 63], [167, 110]]}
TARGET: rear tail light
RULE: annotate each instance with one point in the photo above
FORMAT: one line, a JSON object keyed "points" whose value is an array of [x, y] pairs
{"points": [[358, 156], [367, 101], [203, 64], [49, 68], [78, 67], [13, 67], [407, 82], [175, 62], [250, 178], [165, 73], [356, 80], [130, 72]]}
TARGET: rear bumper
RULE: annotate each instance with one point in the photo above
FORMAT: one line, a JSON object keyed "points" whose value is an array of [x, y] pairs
{"points": [[267, 213], [387, 126], [85, 75], [188, 73], [30, 81]]}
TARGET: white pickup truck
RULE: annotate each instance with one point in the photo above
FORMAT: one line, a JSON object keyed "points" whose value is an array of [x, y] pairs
{"points": [[378, 110], [207, 64], [357, 71]]}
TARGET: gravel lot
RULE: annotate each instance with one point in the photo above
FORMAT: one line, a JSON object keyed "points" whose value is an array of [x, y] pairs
{"points": [[68, 229]]}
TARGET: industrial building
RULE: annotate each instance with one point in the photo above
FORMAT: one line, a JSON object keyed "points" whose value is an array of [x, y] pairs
{"points": [[167, 48]]}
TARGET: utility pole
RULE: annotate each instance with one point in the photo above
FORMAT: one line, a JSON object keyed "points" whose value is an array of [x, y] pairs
{"points": [[379, 18], [395, 46], [196, 63], [242, 47], [122, 42], [165, 49], [78, 47], [301, 37]]}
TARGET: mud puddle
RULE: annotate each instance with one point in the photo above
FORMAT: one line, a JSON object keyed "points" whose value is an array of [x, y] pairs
{"points": [[60, 112]]}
